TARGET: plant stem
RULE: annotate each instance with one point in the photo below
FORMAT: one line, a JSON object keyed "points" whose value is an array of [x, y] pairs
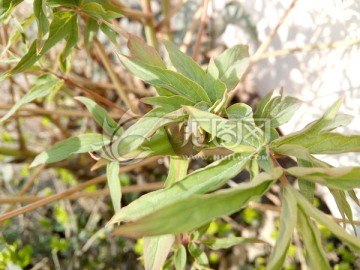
{"points": [[283, 179], [67, 193], [114, 77], [201, 30], [17, 153], [149, 24], [85, 194]]}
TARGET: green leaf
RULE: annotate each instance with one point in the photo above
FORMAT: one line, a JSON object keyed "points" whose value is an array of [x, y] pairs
{"points": [[156, 250], [189, 68], [288, 219], [111, 34], [186, 214], [6, 6], [113, 180], [315, 137], [230, 65], [180, 258], [239, 111], [233, 132], [312, 241], [173, 102], [177, 170], [59, 29], [307, 188], [171, 80], [320, 217], [64, 3], [97, 11], [280, 110], [71, 41], [198, 254], [343, 206], [78, 144], [144, 128], [42, 23], [43, 86], [225, 243], [101, 117], [263, 103], [91, 29], [345, 178], [200, 181], [141, 51]]}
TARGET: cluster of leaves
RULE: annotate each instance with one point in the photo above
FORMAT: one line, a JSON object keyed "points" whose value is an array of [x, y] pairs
{"points": [[191, 95], [191, 117]]}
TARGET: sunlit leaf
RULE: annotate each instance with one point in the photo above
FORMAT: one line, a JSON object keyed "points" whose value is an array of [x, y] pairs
{"points": [[180, 258], [230, 65], [174, 102], [42, 23], [198, 254], [200, 181], [345, 178], [156, 250], [186, 214], [171, 80]]}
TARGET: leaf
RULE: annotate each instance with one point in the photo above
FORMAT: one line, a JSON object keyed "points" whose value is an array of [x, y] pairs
{"points": [[200, 181], [177, 170], [144, 128], [288, 218], [225, 243], [141, 51], [91, 29], [230, 65], [156, 250], [312, 241], [43, 86], [345, 178], [232, 132], [198, 254], [113, 180], [320, 217], [97, 11], [343, 206], [187, 214], [314, 132], [239, 111], [280, 110], [171, 80], [101, 117], [71, 41], [111, 34], [42, 23], [74, 145], [263, 103], [180, 258], [59, 29], [307, 188], [174, 102], [64, 3], [189, 68], [6, 6]]}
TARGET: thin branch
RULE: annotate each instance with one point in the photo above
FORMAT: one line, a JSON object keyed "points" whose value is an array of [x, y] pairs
{"points": [[266, 43], [114, 77], [17, 153], [85, 194], [67, 193], [204, 16], [324, 46], [149, 24], [98, 97], [39, 111]]}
